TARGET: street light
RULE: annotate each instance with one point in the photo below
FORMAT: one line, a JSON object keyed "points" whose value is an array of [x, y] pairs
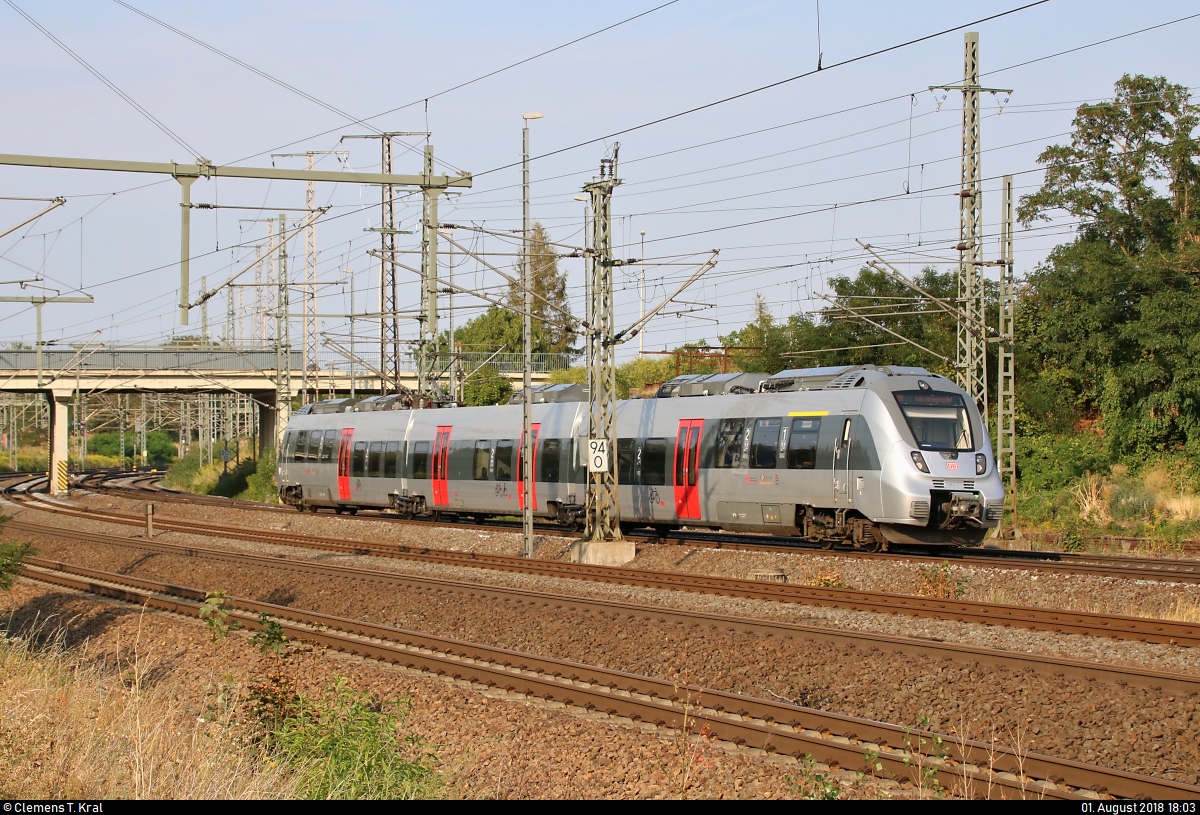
{"points": [[587, 282], [642, 290], [527, 343]]}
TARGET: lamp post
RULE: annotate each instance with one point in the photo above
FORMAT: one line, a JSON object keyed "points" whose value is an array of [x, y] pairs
{"points": [[587, 278], [527, 343], [642, 290]]}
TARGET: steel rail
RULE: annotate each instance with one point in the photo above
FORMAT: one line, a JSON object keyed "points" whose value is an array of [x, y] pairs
{"points": [[1126, 567], [744, 720], [639, 613], [1038, 619]]}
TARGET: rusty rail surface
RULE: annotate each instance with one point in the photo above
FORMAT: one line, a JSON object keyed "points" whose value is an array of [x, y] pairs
{"points": [[656, 615], [1038, 619], [1144, 568], [775, 726]]}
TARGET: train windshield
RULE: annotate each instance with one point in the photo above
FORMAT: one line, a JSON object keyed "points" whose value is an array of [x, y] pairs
{"points": [[938, 420]]}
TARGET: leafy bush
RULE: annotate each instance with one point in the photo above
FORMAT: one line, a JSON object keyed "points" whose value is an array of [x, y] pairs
{"points": [[345, 745], [1051, 462], [161, 448], [11, 555], [260, 485], [1130, 500]]}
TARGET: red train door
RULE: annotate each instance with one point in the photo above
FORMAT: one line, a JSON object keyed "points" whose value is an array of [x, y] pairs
{"points": [[343, 463], [537, 429], [687, 466], [441, 461]]}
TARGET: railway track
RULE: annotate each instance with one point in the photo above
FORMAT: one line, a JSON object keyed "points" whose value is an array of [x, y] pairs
{"points": [[749, 721], [641, 614], [1040, 619], [1126, 567]]}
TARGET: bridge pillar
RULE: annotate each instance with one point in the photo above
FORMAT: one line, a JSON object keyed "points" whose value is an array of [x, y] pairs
{"points": [[60, 440], [272, 420]]}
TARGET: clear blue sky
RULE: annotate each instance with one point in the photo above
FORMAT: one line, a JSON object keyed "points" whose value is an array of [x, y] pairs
{"points": [[369, 57]]}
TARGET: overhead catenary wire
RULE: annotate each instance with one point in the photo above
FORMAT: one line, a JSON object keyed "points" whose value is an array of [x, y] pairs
{"points": [[175, 137]]}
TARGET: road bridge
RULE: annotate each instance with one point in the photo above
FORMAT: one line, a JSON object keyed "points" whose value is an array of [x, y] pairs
{"points": [[253, 371]]}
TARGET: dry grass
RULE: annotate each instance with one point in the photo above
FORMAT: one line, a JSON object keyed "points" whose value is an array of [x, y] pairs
{"points": [[1184, 610], [1092, 496], [72, 728], [1183, 507], [828, 579]]}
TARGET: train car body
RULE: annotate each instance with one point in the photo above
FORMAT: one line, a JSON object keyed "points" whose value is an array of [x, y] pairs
{"points": [[859, 455]]}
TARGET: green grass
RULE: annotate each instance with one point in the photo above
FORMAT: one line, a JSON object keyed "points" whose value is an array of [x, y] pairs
{"points": [[345, 745]]}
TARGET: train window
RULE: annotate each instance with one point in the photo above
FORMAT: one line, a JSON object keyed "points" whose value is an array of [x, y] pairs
{"points": [[654, 462], [625, 461], [358, 464], [391, 456], [375, 459], [764, 443], [483, 455], [938, 420], [802, 444], [314, 446], [301, 448], [504, 460], [288, 438], [551, 461], [420, 460], [328, 446], [728, 450]]}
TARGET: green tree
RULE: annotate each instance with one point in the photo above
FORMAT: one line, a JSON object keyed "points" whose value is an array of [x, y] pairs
{"points": [[549, 288], [636, 373], [160, 447], [499, 329], [770, 338], [487, 386], [1107, 323], [1119, 150]]}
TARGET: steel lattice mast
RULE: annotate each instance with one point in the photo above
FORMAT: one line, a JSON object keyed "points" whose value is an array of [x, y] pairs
{"points": [[602, 510], [971, 355], [1006, 407]]}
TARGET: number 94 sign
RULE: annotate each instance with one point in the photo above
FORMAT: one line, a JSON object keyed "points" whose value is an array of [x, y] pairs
{"points": [[597, 455]]}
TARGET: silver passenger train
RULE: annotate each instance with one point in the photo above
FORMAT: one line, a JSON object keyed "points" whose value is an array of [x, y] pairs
{"points": [[859, 455]]}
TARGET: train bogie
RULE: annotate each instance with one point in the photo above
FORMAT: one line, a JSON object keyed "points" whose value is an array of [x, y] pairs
{"points": [[866, 456]]}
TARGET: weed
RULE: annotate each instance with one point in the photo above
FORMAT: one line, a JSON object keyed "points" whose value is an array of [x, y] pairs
{"points": [[269, 636], [828, 580], [925, 771], [223, 701], [813, 696], [1071, 541], [811, 785], [689, 752], [873, 762], [939, 582], [11, 555], [215, 614], [273, 701], [348, 745]]}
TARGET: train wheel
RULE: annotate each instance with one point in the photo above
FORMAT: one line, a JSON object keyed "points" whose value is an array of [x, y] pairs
{"points": [[351, 510], [313, 510], [662, 531], [827, 543], [338, 510]]}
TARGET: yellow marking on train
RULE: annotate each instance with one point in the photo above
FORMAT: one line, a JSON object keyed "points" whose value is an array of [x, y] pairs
{"points": [[809, 413]]}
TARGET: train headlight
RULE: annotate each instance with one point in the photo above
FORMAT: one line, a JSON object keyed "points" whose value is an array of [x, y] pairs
{"points": [[919, 461], [980, 464]]}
